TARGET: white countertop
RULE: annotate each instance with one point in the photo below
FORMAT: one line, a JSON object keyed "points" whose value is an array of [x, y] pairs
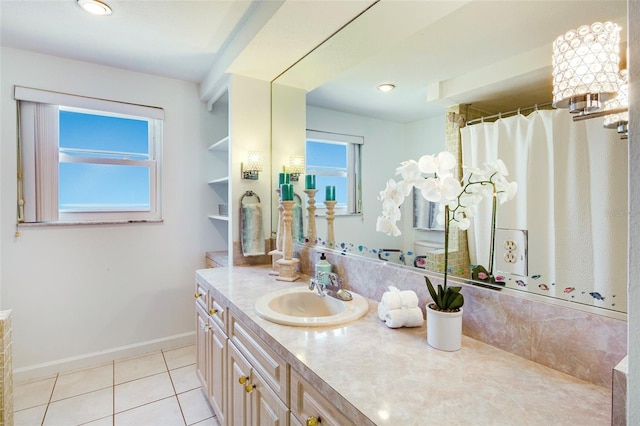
{"points": [[392, 377]]}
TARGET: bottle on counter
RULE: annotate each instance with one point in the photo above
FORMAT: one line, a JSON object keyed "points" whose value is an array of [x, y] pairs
{"points": [[323, 266]]}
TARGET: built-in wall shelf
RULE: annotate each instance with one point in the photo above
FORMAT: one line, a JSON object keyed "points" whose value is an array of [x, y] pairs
{"points": [[219, 180], [218, 169], [221, 145]]}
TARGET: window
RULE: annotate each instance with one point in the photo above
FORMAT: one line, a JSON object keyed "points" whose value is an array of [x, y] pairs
{"points": [[87, 160], [335, 160]]}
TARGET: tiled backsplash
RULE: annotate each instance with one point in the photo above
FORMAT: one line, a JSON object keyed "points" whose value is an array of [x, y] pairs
{"points": [[582, 344], [619, 388]]}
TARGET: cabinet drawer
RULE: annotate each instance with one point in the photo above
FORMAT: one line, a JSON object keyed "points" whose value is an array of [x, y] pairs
{"points": [[271, 367], [202, 296], [218, 313], [306, 402]]}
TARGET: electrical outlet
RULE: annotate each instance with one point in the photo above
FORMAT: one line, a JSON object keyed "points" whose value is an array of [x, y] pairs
{"points": [[511, 251], [510, 245]]}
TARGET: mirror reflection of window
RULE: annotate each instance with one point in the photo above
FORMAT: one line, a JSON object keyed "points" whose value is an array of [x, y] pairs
{"points": [[335, 160], [425, 213]]}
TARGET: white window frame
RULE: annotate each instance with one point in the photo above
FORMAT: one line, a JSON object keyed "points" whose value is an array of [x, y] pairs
{"points": [[354, 166], [40, 156]]}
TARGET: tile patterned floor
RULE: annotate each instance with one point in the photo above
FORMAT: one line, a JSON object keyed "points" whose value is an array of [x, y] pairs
{"points": [[157, 389]]}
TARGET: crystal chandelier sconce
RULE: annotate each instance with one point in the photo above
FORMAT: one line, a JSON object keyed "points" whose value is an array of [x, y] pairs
{"points": [[250, 170], [619, 107], [296, 167], [585, 67]]}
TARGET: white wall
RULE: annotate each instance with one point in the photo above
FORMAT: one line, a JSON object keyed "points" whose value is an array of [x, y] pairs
{"points": [[288, 109], [77, 290], [249, 130], [387, 143]]}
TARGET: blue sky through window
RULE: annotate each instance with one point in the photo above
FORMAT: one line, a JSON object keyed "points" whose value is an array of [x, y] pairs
{"points": [[90, 186], [329, 162]]}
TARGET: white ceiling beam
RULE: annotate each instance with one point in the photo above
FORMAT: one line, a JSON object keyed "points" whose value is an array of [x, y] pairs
{"points": [[526, 65]]}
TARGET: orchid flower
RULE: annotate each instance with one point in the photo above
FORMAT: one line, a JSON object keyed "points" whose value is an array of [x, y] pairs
{"points": [[392, 195], [387, 226], [458, 200], [439, 186], [410, 170], [441, 165]]}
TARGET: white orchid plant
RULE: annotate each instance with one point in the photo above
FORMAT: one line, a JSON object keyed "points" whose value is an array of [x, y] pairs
{"points": [[434, 176]]}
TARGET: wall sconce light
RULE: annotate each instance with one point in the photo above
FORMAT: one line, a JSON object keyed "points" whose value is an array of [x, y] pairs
{"points": [[253, 166], [618, 108], [296, 167], [585, 67]]}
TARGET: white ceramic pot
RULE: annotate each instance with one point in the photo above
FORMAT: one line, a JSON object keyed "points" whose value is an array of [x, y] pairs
{"points": [[444, 329]]}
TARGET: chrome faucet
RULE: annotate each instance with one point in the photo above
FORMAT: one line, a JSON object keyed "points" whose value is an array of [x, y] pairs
{"points": [[333, 288]]}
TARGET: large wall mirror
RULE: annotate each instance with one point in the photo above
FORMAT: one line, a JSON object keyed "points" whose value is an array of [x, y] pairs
{"points": [[477, 59]]}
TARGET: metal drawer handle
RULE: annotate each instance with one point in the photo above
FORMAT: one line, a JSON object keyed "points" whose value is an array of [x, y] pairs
{"points": [[313, 421]]}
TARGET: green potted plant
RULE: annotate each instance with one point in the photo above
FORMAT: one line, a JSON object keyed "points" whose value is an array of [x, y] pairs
{"points": [[458, 200]]}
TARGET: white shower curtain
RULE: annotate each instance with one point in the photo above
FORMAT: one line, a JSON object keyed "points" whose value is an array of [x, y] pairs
{"points": [[572, 200]]}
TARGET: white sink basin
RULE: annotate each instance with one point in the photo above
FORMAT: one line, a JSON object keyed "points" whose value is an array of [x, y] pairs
{"points": [[302, 307]]}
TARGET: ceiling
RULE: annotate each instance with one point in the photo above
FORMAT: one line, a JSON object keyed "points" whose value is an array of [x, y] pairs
{"points": [[178, 39], [192, 40], [495, 55]]}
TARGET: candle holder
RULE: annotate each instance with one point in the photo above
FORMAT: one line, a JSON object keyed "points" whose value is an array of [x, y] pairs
{"points": [[276, 254], [311, 208], [287, 266], [331, 214]]}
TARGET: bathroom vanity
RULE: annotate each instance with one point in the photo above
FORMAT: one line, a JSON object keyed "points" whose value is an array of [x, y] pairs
{"points": [[258, 372]]}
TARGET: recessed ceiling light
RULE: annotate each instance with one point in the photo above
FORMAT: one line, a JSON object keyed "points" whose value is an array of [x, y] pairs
{"points": [[95, 7], [387, 87]]}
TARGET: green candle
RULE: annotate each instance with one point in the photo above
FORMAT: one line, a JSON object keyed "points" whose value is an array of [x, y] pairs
{"points": [[283, 178], [287, 191], [310, 182], [330, 194]]}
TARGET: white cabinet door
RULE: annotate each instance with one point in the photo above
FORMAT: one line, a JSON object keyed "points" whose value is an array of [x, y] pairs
{"points": [[217, 371], [202, 336], [239, 388], [266, 408]]}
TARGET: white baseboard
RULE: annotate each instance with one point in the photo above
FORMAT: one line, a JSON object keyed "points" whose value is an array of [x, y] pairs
{"points": [[48, 369]]}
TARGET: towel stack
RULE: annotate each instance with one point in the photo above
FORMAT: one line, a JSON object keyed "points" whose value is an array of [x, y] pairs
{"points": [[400, 309]]}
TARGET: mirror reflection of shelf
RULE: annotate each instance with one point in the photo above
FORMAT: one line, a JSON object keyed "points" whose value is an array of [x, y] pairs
{"points": [[219, 180], [221, 145]]}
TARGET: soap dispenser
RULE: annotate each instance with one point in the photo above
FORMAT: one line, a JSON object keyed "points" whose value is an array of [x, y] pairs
{"points": [[323, 266]]}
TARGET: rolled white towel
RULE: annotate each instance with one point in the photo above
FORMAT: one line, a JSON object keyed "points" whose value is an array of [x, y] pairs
{"points": [[396, 299], [415, 317], [390, 300], [404, 317], [409, 299]]}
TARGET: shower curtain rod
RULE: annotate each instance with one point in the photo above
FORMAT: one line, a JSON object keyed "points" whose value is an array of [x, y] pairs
{"points": [[502, 114]]}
